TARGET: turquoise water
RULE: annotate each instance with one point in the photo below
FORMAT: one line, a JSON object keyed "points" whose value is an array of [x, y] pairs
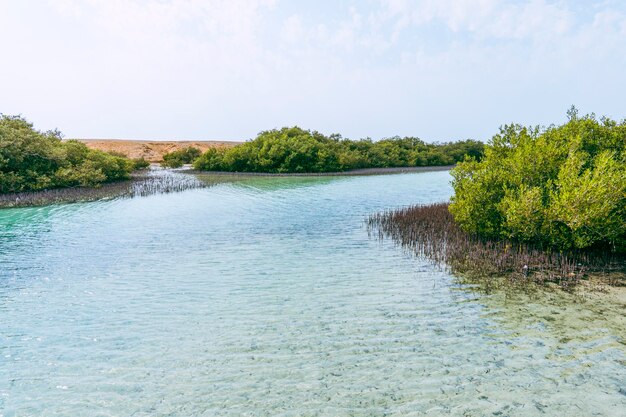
{"points": [[265, 297]]}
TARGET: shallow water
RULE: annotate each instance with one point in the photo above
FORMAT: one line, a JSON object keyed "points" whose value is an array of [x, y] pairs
{"points": [[265, 297]]}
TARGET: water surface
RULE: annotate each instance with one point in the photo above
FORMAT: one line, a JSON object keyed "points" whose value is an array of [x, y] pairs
{"points": [[265, 297]]}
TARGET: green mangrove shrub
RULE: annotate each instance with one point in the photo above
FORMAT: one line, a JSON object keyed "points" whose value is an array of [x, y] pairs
{"points": [[431, 231], [560, 186], [32, 160], [295, 150], [140, 163], [177, 159]]}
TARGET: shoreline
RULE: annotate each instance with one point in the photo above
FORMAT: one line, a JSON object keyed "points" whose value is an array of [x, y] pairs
{"points": [[430, 231], [151, 182], [354, 172], [141, 183], [65, 195]]}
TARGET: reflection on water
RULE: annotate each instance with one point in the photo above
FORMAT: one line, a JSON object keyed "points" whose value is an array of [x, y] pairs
{"points": [[266, 297], [269, 183]]}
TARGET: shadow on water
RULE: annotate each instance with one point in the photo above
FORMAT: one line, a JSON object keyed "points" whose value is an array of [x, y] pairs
{"points": [[562, 318]]}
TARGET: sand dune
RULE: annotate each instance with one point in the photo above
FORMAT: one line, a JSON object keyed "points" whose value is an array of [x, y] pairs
{"points": [[152, 151]]}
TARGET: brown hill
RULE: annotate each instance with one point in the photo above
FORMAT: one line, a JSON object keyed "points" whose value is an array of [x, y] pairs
{"points": [[152, 151]]}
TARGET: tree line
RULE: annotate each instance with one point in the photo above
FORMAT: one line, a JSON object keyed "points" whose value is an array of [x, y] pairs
{"points": [[295, 150]]}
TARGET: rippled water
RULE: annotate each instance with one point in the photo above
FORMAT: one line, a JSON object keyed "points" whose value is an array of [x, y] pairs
{"points": [[265, 297]]}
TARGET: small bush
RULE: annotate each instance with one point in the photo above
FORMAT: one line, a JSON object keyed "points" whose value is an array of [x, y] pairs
{"points": [[180, 157], [211, 160], [140, 163]]}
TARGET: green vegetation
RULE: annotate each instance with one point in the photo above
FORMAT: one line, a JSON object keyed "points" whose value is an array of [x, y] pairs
{"points": [[140, 163], [559, 187], [31, 160], [180, 157], [144, 183], [294, 150], [432, 232]]}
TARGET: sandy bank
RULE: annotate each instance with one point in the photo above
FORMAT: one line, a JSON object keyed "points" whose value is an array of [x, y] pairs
{"points": [[152, 151]]}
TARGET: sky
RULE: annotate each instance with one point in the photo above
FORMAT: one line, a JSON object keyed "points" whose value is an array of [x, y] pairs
{"points": [[440, 70]]}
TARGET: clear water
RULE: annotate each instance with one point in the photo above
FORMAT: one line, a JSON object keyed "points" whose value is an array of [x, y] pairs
{"points": [[265, 297]]}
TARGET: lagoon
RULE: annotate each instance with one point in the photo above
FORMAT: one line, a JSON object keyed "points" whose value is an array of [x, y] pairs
{"points": [[266, 297]]}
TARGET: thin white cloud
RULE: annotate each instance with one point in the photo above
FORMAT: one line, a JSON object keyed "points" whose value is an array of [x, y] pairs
{"points": [[485, 18], [292, 31], [229, 68]]}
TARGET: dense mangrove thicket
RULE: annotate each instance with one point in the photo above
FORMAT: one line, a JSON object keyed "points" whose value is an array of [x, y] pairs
{"points": [[31, 160], [561, 187], [431, 231], [177, 159], [297, 150]]}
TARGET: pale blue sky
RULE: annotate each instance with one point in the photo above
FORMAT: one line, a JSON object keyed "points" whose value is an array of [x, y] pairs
{"points": [[227, 69]]}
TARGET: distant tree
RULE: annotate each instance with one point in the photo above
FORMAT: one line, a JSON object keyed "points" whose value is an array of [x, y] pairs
{"points": [[211, 160], [181, 157], [140, 163]]}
